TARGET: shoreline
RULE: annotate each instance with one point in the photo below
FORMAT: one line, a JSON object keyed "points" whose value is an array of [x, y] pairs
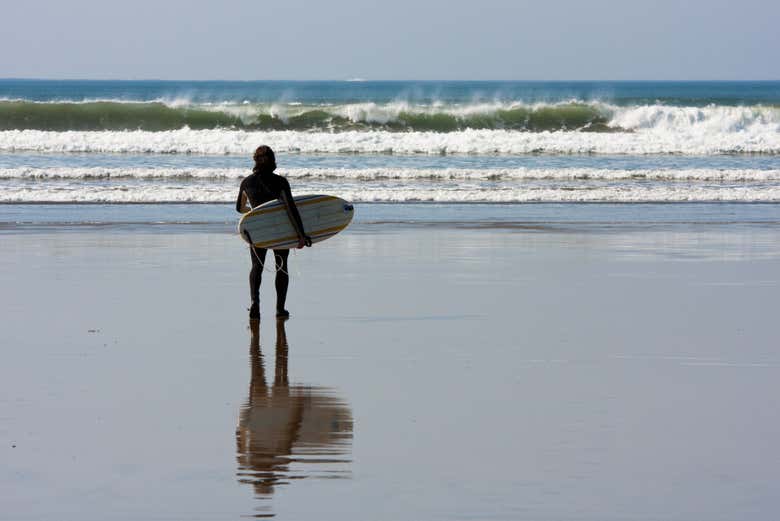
{"points": [[221, 218]]}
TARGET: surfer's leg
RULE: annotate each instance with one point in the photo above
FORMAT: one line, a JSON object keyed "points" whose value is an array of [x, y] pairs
{"points": [[282, 281], [255, 277]]}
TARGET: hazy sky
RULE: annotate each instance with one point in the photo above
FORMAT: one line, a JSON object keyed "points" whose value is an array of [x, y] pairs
{"points": [[399, 39]]}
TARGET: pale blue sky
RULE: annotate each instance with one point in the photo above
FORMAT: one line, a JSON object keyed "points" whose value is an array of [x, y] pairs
{"points": [[401, 39]]}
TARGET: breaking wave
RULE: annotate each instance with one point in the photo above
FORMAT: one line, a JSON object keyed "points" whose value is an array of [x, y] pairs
{"points": [[158, 116], [112, 115]]}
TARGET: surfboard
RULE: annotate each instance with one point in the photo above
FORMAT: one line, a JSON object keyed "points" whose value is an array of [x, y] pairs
{"points": [[268, 225]]}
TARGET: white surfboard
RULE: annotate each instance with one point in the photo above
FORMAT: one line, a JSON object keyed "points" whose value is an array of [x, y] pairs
{"points": [[269, 226]]}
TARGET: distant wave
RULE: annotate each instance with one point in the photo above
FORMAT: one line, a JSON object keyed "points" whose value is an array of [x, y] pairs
{"points": [[406, 175], [689, 136], [101, 115]]}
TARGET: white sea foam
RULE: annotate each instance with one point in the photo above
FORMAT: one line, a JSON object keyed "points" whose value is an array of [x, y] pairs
{"points": [[694, 140], [225, 192], [87, 173], [710, 120], [407, 175]]}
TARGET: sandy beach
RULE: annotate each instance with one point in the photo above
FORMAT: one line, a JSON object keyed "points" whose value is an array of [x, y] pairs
{"points": [[429, 371]]}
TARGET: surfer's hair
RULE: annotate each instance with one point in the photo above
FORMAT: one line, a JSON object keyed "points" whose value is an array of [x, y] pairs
{"points": [[264, 158]]}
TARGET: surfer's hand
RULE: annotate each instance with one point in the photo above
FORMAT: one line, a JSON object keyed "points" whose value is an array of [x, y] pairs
{"points": [[307, 240]]}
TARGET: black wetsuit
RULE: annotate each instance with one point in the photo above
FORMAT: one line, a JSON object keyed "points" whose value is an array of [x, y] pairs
{"points": [[261, 188]]}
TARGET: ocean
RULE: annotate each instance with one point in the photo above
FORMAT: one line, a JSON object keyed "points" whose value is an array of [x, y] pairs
{"points": [[392, 142]]}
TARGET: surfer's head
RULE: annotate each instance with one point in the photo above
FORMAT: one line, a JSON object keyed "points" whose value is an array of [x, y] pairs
{"points": [[265, 161]]}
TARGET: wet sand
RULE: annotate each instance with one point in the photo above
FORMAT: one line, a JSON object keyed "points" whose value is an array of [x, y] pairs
{"points": [[428, 372]]}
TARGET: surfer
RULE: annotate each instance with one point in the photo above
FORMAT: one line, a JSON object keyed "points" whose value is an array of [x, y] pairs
{"points": [[258, 188]]}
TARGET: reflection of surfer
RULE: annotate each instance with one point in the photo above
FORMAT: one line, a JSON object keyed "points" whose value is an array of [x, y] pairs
{"points": [[258, 188], [279, 418], [268, 423]]}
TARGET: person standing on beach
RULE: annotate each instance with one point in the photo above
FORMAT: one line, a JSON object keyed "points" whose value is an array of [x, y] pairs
{"points": [[258, 188]]}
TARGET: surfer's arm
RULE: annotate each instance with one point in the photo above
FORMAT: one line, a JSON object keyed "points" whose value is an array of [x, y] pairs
{"points": [[242, 202], [295, 218]]}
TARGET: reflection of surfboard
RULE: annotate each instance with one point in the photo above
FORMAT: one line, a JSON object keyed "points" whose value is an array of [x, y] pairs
{"points": [[269, 226]]}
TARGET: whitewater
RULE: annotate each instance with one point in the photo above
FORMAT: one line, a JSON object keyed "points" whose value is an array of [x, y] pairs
{"points": [[400, 174], [759, 138]]}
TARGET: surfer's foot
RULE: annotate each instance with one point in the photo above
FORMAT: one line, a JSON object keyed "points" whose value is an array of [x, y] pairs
{"points": [[254, 310], [282, 313]]}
